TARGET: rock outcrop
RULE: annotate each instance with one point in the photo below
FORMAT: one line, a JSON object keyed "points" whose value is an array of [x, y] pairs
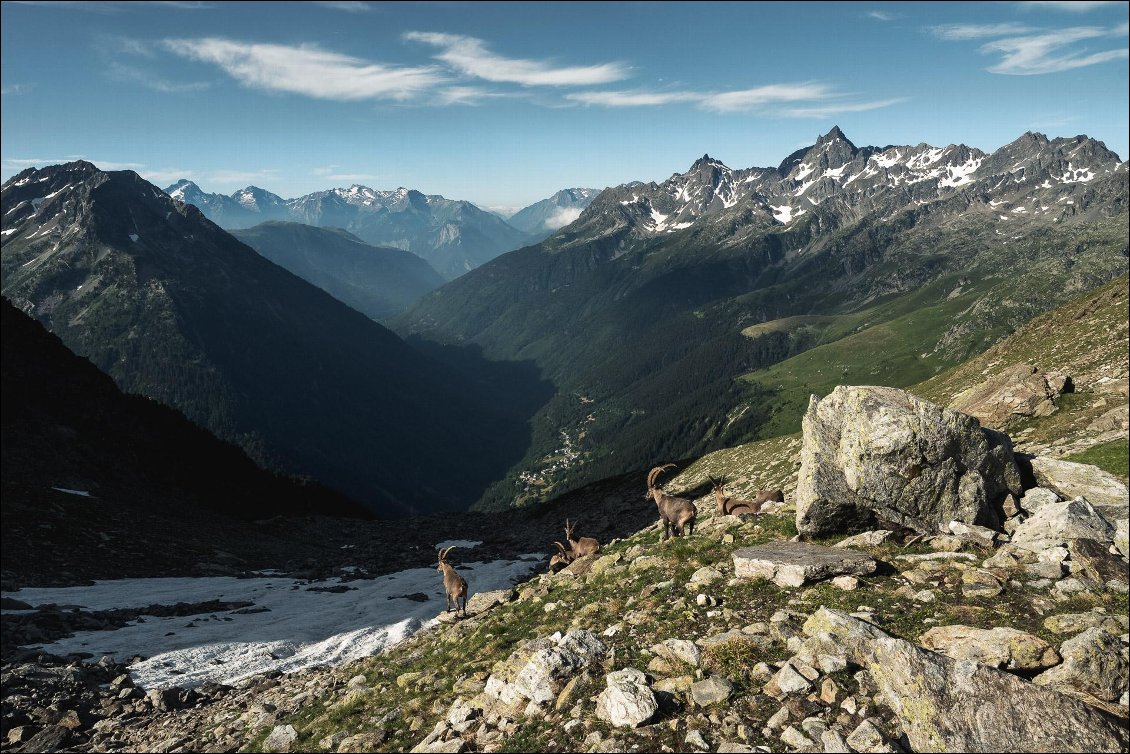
{"points": [[797, 563], [874, 454], [1018, 392]]}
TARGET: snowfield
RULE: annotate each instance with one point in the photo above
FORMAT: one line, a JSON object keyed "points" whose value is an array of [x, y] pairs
{"points": [[289, 628]]}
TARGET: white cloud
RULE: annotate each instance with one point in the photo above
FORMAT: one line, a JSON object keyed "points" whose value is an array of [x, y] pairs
{"points": [[1040, 53], [114, 6], [879, 15], [345, 5], [29, 162], [240, 178], [835, 108], [632, 99], [1027, 51], [958, 32], [747, 99], [562, 217], [470, 56], [350, 177], [308, 70], [156, 83], [15, 89], [165, 176], [1074, 6]]}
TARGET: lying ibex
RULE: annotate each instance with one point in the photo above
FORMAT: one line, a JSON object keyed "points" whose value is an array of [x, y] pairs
{"points": [[673, 511], [454, 585], [728, 506], [583, 546], [562, 558]]}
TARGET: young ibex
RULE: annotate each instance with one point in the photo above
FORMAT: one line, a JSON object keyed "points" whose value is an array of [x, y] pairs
{"points": [[583, 546], [562, 558], [453, 584], [677, 512], [728, 506]]}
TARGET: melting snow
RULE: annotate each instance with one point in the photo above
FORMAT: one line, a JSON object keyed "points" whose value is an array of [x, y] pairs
{"points": [[82, 493], [133, 237], [299, 628], [462, 543]]}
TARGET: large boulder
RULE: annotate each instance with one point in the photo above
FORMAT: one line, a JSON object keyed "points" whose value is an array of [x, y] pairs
{"points": [[878, 454], [943, 704], [1071, 479], [1018, 392], [1092, 664], [627, 701], [1055, 524]]}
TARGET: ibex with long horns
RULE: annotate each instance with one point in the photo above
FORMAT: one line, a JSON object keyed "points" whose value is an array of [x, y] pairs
{"points": [[562, 558], [728, 506], [583, 546], [677, 512], [454, 585]]}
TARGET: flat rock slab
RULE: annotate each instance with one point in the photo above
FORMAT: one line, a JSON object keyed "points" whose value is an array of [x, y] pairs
{"points": [[1071, 479], [796, 563]]}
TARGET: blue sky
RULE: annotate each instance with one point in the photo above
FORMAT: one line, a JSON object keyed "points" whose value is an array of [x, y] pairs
{"points": [[505, 104]]}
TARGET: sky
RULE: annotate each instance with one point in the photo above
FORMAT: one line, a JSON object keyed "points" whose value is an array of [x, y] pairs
{"points": [[505, 104]]}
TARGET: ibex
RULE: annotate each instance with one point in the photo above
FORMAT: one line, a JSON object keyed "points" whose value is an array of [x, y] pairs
{"points": [[454, 585], [562, 558], [728, 506], [583, 546], [673, 511]]}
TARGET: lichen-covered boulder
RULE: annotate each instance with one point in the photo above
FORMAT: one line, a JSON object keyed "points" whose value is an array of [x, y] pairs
{"points": [[1017, 392], [1092, 663], [1005, 648], [874, 454], [627, 701]]}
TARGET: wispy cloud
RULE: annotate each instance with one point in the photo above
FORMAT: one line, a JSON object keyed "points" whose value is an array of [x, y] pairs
{"points": [[308, 70], [470, 56], [632, 98], [345, 5], [333, 173], [766, 99], [881, 15], [836, 108], [114, 6], [1074, 6], [961, 32], [241, 178], [35, 162], [748, 99], [16, 89], [1025, 51], [124, 72]]}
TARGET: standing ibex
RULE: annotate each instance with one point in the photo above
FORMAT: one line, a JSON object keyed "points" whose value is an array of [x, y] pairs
{"points": [[454, 585], [673, 511], [562, 558], [583, 546], [728, 506]]}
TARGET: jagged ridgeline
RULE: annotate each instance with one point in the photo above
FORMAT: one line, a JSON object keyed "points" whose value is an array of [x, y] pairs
{"points": [[661, 312], [174, 308]]}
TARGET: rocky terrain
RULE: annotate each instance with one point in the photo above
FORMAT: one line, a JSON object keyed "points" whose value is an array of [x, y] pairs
{"points": [[982, 607]]}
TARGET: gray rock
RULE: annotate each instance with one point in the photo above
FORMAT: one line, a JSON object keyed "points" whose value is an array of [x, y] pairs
{"points": [[834, 633], [679, 650], [705, 575], [1005, 648], [789, 681], [1017, 392], [796, 563], [537, 671], [978, 535], [790, 736], [961, 705], [1092, 663], [1072, 480], [1122, 537], [281, 738], [1056, 523], [1094, 562], [875, 452], [866, 539], [977, 582], [834, 743], [1037, 497], [711, 690], [480, 602], [627, 701], [868, 738], [695, 740], [1073, 623]]}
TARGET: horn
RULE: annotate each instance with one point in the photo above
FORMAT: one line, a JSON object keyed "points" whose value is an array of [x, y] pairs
{"points": [[443, 553], [561, 547], [651, 476]]}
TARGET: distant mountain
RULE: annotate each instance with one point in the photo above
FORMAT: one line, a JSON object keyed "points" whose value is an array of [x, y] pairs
{"points": [[658, 311], [66, 425], [376, 281], [173, 307], [547, 216], [242, 209], [453, 236]]}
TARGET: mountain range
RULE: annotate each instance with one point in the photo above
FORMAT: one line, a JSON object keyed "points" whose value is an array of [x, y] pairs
{"points": [[660, 313], [542, 219], [453, 236], [173, 307]]}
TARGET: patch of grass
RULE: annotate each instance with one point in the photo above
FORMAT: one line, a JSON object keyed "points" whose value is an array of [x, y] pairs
{"points": [[1111, 457]]}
